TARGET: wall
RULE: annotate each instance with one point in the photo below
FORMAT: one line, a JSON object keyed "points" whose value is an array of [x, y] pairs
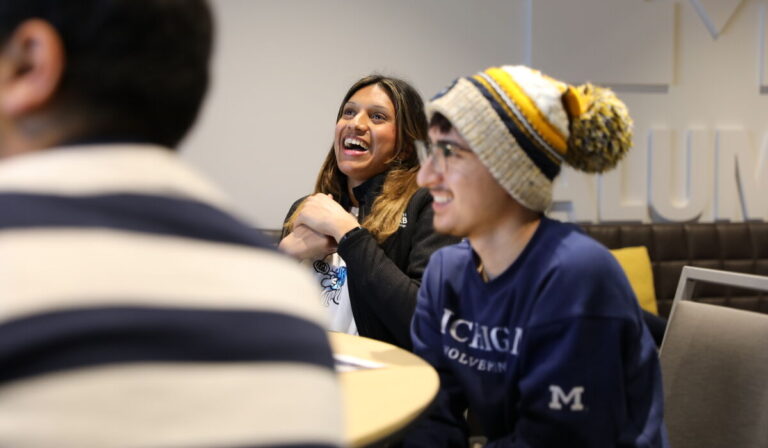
{"points": [[693, 73]]}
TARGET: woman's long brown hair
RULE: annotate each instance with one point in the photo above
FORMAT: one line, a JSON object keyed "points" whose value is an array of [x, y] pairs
{"points": [[400, 183]]}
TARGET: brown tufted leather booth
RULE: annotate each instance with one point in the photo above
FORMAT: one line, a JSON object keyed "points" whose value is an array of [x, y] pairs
{"points": [[739, 247]]}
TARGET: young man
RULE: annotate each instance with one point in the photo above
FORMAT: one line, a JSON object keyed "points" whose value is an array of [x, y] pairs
{"points": [[137, 310], [532, 325]]}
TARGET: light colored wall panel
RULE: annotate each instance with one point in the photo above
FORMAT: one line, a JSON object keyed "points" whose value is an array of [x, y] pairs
{"points": [[604, 41], [282, 67], [763, 48], [686, 156]]}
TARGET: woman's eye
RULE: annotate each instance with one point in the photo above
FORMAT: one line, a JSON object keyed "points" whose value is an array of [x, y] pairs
{"points": [[348, 113], [378, 116]]}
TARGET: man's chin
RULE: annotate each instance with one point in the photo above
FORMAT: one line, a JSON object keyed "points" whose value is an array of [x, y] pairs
{"points": [[447, 229]]}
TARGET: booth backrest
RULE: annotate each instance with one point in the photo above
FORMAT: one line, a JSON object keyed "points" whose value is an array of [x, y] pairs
{"points": [[738, 247]]}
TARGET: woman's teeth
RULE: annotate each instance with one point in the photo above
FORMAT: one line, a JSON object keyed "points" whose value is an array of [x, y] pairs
{"points": [[355, 144]]}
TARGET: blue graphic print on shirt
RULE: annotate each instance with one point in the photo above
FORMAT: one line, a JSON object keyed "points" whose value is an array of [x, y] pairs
{"points": [[332, 280]]}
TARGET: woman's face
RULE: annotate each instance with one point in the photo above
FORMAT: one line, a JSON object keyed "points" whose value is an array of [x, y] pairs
{"points": [[366, 135]]}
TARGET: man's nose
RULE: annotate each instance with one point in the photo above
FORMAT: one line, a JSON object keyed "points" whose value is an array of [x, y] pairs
{"points": [[428, 175]]}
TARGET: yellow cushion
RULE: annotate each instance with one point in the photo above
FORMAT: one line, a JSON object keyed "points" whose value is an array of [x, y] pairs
{"points": [[637, 266]]}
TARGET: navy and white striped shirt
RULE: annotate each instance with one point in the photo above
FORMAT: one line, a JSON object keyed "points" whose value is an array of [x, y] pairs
{"points": [[137, 310]]}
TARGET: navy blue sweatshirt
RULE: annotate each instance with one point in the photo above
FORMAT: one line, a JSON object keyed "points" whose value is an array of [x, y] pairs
{"points": [[551, 353]]}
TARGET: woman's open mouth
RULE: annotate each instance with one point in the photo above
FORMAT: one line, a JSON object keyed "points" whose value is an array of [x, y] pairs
{"points": [[355, 145]]}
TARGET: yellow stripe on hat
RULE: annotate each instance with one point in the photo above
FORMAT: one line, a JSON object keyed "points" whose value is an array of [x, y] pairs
{"points": [[512, 116], [528, 108]]}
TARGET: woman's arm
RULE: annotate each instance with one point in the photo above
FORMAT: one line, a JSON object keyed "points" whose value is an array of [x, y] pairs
{"points": [[303, 241], [325, 216], [389, 291]]}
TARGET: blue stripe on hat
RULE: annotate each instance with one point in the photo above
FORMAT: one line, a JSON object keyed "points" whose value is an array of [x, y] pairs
{"points": [[549, 168], [133, 212], [62, 340], [445, 90]]}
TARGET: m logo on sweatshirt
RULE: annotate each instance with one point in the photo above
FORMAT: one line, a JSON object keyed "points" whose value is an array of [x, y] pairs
{"points": [[560, 398]]}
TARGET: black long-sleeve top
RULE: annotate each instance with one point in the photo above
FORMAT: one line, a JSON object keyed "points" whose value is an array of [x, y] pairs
{"points": [[383, 279]]}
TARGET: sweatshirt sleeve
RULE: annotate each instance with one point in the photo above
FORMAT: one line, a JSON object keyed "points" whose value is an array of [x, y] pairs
{"points": [[444, 425], [389, 291]]}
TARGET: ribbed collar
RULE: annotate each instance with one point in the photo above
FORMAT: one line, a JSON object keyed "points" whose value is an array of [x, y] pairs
{"points": [[365, 193]]}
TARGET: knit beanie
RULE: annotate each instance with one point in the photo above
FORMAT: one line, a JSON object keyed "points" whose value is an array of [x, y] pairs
{"points": [[523, 125]]}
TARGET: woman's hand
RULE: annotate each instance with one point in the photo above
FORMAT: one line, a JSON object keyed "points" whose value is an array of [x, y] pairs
{"points": [[322, 214], [306, 244]]}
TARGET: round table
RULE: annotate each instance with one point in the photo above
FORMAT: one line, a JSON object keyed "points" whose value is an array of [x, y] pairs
{"points": [[379, 402]]}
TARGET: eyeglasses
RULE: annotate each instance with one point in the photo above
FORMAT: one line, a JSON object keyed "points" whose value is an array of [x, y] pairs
{"points": [[436, 153]]}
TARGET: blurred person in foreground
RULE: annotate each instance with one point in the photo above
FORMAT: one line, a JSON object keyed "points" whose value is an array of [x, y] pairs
{"points": [[532, 325], [137, 310]]}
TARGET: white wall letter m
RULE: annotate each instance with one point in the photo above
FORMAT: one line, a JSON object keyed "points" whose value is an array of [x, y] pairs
{"points": [[559, 398]]}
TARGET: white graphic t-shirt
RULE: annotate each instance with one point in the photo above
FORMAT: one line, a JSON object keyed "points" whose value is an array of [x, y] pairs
{"points": [[331, 273]]}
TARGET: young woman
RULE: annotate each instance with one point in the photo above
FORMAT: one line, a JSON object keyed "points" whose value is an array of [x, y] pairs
{"points": [[367, 229]]}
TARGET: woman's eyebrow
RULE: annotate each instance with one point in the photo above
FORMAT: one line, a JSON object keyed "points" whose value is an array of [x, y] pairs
{"points": [[380, 108], [376, 107]]}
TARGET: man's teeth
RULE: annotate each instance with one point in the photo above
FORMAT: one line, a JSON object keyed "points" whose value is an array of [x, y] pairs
{"points": [[441, 199], [350, 143]]}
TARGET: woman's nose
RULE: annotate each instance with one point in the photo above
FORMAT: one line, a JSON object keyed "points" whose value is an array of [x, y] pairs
{"points": [[359, 122]]}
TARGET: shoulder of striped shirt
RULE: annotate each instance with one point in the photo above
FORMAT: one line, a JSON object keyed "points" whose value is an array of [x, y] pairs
{"points": [[98, 267], [239, 276], [105, 169]]}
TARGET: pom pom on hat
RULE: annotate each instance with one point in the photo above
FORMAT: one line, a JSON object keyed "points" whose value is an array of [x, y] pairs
{"points": [[601, 128]]}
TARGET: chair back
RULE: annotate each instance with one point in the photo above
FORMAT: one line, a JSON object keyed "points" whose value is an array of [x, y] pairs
{"points": [[714, 363]]}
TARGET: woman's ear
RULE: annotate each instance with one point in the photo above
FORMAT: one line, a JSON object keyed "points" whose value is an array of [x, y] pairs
{"points": [[31, 67]]}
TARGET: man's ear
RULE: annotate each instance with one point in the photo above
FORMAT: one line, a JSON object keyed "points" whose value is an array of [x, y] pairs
{"points": [[31, 67]]}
